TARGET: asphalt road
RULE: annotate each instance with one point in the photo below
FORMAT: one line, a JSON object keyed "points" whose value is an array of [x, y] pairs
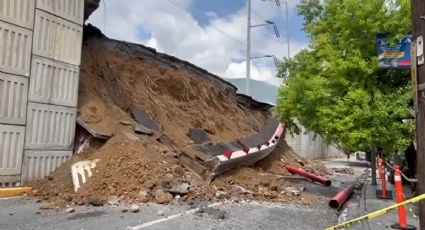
{"points": [[24, 214]]}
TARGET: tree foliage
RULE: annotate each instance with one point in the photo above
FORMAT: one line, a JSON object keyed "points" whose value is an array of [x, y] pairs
{"points": [[335, 87]]}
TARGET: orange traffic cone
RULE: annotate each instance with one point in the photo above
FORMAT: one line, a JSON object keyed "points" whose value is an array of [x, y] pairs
{"points": [[383, 193], [400, 198]]}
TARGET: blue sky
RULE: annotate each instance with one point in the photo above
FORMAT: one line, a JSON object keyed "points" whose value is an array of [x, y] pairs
{"points": [[194, 35]]}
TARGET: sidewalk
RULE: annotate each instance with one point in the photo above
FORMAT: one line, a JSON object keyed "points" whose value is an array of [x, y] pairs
{"points": [[369, 203]]}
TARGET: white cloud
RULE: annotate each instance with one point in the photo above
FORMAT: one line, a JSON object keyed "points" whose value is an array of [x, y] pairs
{"points": [[177, 33]]}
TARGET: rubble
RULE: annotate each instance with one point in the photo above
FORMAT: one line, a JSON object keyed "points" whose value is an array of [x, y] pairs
{"points": [[115, 201], [69, 210], [163, 197], [119, 81], [134, 208]]}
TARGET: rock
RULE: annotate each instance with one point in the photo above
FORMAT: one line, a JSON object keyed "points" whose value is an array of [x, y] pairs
{"points": [[222, 195], [239, 190], [46, 205], [178, 171], [134, 208], [69, 210], [149, 184], [114, 201], [143, 196], [161, 213], [213, 212], [95, 201], [162, 197], [294, 191], [38, 212], [126, 121], [124, 210], [180, 188]]}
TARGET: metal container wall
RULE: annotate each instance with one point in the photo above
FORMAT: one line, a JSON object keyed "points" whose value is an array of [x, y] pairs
{"points": [[69, 10], [13, 99], [53, 82], [18, 12], [50, 127], [15, 49], [38, 164], [11, 149], [57, 38]]}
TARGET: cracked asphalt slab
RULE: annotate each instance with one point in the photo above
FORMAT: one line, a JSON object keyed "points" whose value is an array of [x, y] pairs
{"points": [[19, 213]]}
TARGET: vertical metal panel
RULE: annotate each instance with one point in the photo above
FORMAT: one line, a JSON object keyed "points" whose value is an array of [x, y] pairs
{"points": [[15, 49], [13, 99], [18, 12], [38, 164], [11, 149], [72, 10], [57, 38], [53, 82], [50, 127]]}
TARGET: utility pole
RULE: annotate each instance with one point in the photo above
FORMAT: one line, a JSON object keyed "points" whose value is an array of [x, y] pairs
{"points": [[418, 23], [248, 50]]}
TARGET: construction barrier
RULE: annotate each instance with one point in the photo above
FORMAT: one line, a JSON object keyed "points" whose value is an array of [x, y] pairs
{"points": [[383, 193], [375, 214], [402, 224]]}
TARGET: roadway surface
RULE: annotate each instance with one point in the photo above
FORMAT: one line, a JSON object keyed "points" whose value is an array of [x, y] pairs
{"points": [[23, 214]]}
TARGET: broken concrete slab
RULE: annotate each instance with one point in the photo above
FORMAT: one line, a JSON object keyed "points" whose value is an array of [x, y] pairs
{"points": [[198, 136], [144, 119], [139, 128], [94, 132]]}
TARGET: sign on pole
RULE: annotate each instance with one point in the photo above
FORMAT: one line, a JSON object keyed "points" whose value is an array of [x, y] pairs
{"points": [[393, 54]]}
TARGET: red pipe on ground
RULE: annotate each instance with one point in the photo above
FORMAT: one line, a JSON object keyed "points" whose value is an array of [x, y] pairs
{"points": [[310, 176], [341, 197]]}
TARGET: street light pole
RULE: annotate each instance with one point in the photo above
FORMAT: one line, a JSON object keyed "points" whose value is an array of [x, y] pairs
{"points": [[248, 50], [287, 27]]}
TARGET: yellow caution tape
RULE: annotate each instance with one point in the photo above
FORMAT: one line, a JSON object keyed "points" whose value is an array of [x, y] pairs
{"points": [[4, 192], [375, 214]]}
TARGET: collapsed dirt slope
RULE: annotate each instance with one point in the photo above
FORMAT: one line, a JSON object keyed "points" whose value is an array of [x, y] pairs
{"points": [[117, 77]]}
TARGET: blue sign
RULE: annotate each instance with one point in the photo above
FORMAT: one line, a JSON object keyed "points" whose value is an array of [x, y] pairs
{"points": [[393, 55]]}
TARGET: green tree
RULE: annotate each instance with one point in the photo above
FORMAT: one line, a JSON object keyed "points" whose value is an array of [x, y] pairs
{"points": [[335, 87]]}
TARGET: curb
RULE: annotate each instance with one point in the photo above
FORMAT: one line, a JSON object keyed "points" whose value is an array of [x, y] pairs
{"points": [[7, 192]]}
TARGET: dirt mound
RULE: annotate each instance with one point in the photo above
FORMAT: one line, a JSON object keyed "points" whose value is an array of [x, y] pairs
{"points": [[117, 77]]}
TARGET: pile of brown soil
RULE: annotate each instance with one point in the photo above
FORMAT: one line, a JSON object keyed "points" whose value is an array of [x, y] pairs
{"points": [[118, 76]]}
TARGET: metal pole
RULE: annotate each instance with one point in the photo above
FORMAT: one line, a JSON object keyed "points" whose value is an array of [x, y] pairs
{"points": [[287, 28], [248, 49]]}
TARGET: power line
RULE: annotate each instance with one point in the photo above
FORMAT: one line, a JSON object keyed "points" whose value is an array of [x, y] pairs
{"points": [[218, 29]]}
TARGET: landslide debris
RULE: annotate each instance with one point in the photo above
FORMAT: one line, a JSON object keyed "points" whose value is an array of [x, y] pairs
{"points": [[117, 77]]}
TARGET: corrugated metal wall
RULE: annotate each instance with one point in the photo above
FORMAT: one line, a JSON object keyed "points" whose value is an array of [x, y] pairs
{"points": [[39, 72]]}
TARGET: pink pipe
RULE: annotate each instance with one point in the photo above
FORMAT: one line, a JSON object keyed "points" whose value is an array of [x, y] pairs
{"points": [[310, 176], [341, 197]]}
